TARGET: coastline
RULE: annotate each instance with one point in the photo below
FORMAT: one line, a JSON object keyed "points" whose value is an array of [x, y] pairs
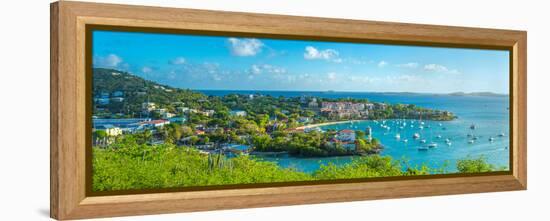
{"points": [[326, 124]]}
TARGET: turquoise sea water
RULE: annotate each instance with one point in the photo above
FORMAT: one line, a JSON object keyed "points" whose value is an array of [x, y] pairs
{"points": [[489, 114]]}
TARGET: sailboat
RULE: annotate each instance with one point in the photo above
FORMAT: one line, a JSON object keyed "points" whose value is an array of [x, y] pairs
{"points": [[432, 144]]}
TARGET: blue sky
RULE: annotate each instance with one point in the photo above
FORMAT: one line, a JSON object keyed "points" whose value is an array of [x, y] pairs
{"points": [[227, 63]]}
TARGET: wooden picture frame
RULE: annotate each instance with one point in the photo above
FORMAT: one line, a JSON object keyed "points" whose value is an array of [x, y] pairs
{"points": [[69, 196]]}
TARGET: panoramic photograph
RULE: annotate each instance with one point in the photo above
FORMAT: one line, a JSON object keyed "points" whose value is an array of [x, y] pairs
{"points": [[182, 110]]}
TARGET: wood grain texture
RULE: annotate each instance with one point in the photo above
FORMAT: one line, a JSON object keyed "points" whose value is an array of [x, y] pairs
{"points": [[68, 99]]}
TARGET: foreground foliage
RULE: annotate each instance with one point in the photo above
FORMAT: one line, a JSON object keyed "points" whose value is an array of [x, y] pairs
{"points": [[128, 164]]}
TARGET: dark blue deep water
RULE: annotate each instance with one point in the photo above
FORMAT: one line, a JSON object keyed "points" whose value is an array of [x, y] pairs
{"points": [[490, 115]]}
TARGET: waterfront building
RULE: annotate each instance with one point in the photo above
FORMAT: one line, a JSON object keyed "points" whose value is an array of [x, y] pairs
{"points": [[369, 106], [346, 135], [154, 123], [110, 130], [344, 110], [313, 103]]}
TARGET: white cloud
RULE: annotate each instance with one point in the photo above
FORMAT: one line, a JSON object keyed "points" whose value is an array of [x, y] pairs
{"points": [[439, 68], [408, 65], [245, 47], [266, 68], [331, 76], [178, 60], [256, 69], [111, 61], [312, 53], [211, 67], [382, 64], [216, 77], [146, 70]]}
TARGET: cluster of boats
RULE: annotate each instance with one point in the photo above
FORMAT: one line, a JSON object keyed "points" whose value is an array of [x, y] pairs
{"points": [[402, 124]]}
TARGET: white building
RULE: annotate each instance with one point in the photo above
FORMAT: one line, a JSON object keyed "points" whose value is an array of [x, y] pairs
{"points": [[110, 130], [238, 113], [346, 135], [148, 106]]}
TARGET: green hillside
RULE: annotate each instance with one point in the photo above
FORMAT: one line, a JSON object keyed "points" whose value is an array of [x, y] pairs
{"points": [[136, 90]]}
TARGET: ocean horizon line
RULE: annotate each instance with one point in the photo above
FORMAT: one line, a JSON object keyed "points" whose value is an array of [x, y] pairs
{"points": [[458, 93]]}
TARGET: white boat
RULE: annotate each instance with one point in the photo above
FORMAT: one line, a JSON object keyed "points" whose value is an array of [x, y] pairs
{"points": [[397, 136], [422, 141], [501, 135], [471, 141], [405, 141], [432, 145], [449, 143], [416, 135], [447, 140], [438, 136], [491, 139], [421, 127]]}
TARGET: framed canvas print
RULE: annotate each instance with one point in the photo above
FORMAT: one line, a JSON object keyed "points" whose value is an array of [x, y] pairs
{"points": [[159, 110]]}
